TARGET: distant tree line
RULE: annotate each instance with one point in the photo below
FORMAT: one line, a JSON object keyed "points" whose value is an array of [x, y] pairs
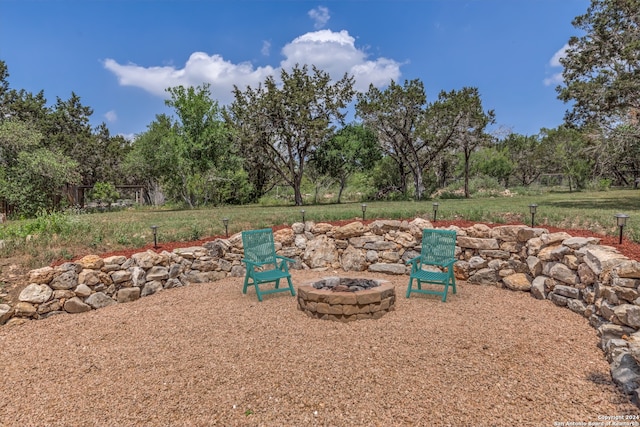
{"points": [[292, 130]]}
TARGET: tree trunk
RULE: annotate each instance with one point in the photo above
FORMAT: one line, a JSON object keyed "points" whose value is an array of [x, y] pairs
{"points": [[419, 183], [343, 183], [466, 174]]}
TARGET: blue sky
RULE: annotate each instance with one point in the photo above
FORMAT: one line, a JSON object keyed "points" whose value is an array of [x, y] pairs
{"points": [[120, 55]]}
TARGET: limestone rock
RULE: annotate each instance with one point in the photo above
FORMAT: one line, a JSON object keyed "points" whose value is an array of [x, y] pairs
{"points": [[353, 259], [535, 266], [158, 273], [6, 311], [586, 275], [321, 228], [89, 277], [99, 300], [91, 262], [537, 288], [564, 274], [628, 314], [116, 259], [566, 291], [128, 294], [75, 305], [388, 268], [517, 282], [82, 290], [579, 242], [602, 258], [36, 294], [353, 229], [507, 233], [284, 236], [41, 276], [320, 252], [24, 309], [122, 276], [67, 280], [151, 288], [476, 243], [381, 227], [485, 276], [629, 269]]}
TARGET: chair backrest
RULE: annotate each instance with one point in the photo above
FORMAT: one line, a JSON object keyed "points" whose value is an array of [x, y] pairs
{"points": [[438, 246], [259, 246]]}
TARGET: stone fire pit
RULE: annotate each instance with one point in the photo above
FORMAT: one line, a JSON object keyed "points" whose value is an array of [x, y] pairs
{"points": [[346, 299]]}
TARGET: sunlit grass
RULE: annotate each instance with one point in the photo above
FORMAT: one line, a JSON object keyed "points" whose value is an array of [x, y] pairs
{"points": [[67, 236]]}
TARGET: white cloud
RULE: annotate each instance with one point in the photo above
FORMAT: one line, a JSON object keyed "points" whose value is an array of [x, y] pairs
{"points": [[555, 60], [111, 116], [556, 78], [320, 15], [333, 52], [266, 48]]}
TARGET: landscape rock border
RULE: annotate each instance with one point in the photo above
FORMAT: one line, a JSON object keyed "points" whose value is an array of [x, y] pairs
{"points": [[578, 273]]}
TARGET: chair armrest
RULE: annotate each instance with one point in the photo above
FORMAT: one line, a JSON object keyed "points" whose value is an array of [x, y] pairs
{"points": [[284, 258], [251, 263], [413, 260]]}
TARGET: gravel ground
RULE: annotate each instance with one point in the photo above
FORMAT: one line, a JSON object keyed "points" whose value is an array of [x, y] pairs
{"points": [[207, 355]]}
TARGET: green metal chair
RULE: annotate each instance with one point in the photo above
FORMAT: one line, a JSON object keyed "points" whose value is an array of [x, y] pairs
{"points": [[263, 265], [438, 252]]}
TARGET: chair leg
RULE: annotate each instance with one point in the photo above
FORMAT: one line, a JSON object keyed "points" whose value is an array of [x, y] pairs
{"points": [[258, 292], [277, 283], [293, 292], [409, 287], [246, 284]]}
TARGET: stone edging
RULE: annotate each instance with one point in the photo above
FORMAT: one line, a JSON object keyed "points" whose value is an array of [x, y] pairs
{"points": [[578, 273]]}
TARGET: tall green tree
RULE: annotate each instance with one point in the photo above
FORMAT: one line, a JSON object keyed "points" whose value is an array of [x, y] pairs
{"points": [[568, 151], [470, 129], [354, 148], [602, 81], [289, 121], [528, 154], [31, 174], [602, 66], [199, 138]]}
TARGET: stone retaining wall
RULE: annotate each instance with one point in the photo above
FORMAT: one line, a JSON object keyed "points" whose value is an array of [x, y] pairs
{"points": [[592, 280]]}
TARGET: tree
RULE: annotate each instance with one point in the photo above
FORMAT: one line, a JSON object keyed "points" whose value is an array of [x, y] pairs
{"points": [[394, 114], [527, 155], [199, 139], [288, 122], [470, 129], [354, 148], [31, 175], [568, 149], [601, 70]]}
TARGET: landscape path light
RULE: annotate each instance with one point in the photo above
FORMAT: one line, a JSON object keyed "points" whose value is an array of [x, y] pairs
{"points": [[154, 229], [302, 212], [364, 209], [435, 211], [225, 221], [532, 209], [622, 221]]}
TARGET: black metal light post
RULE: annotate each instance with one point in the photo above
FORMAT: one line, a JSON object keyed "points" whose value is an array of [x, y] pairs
{"points": [[225, 221], [154, 229], [435, 211], [622, 221], [532, 210], [364, 209], [302, 212]]}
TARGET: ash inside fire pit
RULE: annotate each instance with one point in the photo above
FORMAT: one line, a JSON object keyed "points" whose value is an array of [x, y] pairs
{"points": [[341, 284]]}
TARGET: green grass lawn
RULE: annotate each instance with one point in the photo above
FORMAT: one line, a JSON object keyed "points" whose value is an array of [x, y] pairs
{"points": [[67, 236]]}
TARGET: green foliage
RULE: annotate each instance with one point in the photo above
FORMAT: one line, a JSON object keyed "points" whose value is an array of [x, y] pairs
{"points": [[602, 184], [105, 192], [354, 148], [493, 162], [287, 122]]}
